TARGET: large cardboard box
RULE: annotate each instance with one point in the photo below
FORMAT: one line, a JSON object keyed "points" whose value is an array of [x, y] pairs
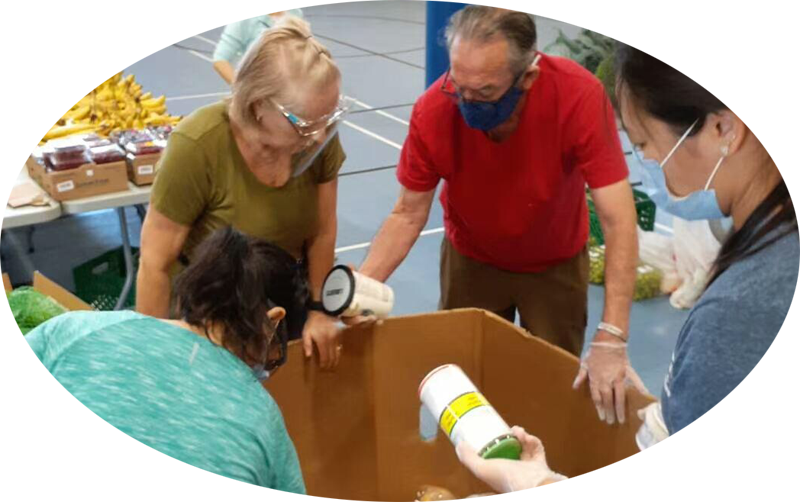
{"points": [[47, 287], [357, 430], [84, 181], [142, 168]]}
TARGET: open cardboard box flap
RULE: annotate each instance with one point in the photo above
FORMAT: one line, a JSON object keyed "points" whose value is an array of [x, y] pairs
{"points": [[45, 286], [356, 430]]}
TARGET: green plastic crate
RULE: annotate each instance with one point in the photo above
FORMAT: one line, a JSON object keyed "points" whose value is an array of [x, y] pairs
{"points": [[645, 214], [99, 281]]}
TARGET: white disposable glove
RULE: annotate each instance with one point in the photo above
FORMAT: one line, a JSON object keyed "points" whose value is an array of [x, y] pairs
{"points": [[653, 428], [609, 371], [505, 476]]}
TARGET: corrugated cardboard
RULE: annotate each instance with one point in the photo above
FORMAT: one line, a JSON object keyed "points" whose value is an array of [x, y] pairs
{"points": [[7, 283], [356, 430], [142, 168], [47, 287], [84, 181]]}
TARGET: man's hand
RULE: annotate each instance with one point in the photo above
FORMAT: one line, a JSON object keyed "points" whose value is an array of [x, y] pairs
{"points": [[609, 371], [321, 330]]}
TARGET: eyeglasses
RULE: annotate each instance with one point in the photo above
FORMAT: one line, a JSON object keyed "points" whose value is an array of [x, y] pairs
{"points": [[276, 352], [449, 89], [307, 128]]}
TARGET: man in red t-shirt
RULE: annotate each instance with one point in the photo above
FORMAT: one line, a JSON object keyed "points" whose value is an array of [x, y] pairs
{"points": [[517, 135]]}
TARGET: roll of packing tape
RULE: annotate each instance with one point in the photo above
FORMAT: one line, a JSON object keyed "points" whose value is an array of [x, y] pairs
{"points": [[347, 293], [465, 415]]}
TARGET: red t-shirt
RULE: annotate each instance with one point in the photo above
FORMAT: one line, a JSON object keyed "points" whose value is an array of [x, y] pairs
{"points": [[519, 205]]}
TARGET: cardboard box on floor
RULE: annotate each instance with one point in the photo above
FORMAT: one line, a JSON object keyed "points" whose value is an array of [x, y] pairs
{"points": [[356, 430], [47, 287]]}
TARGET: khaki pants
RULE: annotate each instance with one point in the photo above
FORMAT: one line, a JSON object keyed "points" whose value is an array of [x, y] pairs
{"points": [[552, 304]]}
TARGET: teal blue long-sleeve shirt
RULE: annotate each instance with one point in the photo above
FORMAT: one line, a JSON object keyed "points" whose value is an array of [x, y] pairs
{"points": [[237, 37], [173, 391]]}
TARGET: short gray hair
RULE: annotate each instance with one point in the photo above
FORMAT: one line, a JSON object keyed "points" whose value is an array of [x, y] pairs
{"points": [[476, 22], [285, 54]]}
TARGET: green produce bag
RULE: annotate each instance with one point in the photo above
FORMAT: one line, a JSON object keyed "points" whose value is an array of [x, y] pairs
{"points": [[648, 279], [597, 264], [648, 283]]}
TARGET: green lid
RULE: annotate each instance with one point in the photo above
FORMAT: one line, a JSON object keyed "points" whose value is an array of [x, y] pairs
{"points": [[505, 447]]}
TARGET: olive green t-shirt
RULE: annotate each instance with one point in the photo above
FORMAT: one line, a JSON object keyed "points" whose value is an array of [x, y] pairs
{"points": [[204, 183]]}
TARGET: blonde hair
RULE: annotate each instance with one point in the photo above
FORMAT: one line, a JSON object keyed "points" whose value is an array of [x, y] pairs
{"points": [[284, 56]]}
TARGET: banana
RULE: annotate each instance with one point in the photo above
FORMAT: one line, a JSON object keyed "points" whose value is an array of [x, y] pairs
{"points": [[78, 113], [157, 120], [117, 103], [154, 102], [61, 131], [105, 95], [161, 110]]}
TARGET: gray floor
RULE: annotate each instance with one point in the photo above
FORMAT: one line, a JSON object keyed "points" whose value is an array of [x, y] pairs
{"points": [[359, 35]]}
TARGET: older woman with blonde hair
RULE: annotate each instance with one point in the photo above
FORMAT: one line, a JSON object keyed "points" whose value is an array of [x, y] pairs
{"points": [[265, 161]]}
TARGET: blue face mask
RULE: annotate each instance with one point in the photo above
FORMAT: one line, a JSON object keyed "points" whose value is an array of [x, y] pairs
{"points": [[486, 115], [698, 205]]}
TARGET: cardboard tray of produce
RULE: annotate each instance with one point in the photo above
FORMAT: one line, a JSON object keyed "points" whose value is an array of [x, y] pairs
{"points": [[84, 181]]}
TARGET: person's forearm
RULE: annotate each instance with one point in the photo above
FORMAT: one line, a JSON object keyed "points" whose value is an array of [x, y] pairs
{"points": [[320, 258], [153, 291], [621, 258], [551, 489], [390, 246], [225, 70]]}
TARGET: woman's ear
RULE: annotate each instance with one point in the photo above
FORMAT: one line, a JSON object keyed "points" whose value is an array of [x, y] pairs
{"points": [[276, 314], [730, 131]]}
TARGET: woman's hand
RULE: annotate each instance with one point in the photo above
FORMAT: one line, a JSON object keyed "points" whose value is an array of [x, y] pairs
{"points": [[503, 475], [322, 331], [360, 320]]}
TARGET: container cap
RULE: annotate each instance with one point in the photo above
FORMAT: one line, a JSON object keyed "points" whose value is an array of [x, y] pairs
{"points": [[507, 447], [338, 290]]}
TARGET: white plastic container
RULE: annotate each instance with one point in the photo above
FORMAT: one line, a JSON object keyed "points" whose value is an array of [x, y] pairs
{"points": [[653, 441], [347, 293], [465, 415]]}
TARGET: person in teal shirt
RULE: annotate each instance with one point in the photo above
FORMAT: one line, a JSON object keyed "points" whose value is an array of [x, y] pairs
{"points": [[191, 388], [237, 37]]}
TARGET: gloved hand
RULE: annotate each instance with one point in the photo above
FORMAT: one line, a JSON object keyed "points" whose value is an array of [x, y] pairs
{"points": [[653, 429], [609, 371], [690, 290], [503, 475]]}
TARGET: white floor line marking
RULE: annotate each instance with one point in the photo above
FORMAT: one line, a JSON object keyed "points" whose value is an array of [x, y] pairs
{"points": [[206, 40], [201, 56], [199, 96], [381, 112], [372, 134], [366, 244]]}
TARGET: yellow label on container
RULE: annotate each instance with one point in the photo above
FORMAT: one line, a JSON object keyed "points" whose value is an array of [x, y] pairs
{"points": [[459, 407]]}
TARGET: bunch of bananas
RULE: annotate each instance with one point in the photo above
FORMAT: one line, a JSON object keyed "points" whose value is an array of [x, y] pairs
{"points": [[117, 104]]}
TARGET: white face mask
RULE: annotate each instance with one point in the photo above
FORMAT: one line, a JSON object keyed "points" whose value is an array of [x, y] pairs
{"points": [[698, 205]]}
